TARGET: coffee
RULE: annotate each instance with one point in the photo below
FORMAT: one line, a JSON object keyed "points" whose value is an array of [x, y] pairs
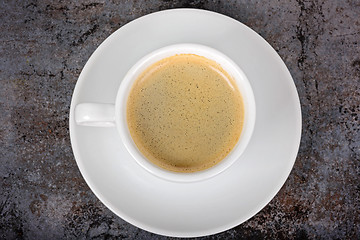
{"points": [[185, 113]]}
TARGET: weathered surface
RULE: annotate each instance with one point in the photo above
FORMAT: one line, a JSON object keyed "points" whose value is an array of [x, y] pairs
{"points": [[45, 44]]}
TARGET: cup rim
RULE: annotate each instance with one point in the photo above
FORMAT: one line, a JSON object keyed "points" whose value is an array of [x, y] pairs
{"points": [[228, 65]]}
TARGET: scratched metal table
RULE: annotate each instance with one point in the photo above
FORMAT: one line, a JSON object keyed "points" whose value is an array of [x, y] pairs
{"points": [[45, 44]]}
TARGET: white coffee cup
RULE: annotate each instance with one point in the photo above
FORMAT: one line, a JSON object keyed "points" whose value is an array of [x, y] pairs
{"points": [[114, 115]]}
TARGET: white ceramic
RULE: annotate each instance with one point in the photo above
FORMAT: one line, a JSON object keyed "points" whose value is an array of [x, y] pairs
{"points": [[204, 207], [106, 115]]}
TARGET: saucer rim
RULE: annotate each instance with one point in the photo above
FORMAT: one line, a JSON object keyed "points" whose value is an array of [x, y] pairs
{"points": [[146, 227]]}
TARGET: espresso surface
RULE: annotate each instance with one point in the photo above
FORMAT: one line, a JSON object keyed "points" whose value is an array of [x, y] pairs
{"points": [[185, 113]]}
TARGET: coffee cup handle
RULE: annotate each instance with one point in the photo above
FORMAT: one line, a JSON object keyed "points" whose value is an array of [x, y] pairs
{"points": [[95, 114]]}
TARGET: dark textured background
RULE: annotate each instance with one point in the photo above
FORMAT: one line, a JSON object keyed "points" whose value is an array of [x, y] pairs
{"points": [[45, 44]]}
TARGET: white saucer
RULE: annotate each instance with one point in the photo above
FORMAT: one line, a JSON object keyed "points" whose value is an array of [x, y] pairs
{"points": [[201, 208]]}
